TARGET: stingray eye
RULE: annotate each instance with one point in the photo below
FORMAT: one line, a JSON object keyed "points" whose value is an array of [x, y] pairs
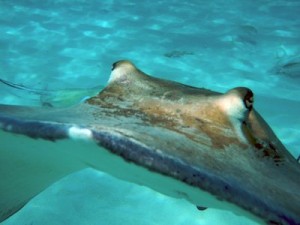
{"points": [[249, 99], [113, 66]]}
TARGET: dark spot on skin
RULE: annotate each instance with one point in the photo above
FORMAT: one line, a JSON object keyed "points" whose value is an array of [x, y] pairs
{"points": [[201, 208], [287, 220], [201, 122], [266, 153], [271, 222], [248, 99], [258, 146], [272, 147], [113, 66], [269, 150]]}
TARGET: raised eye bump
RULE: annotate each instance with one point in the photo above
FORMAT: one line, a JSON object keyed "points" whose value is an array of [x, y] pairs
{"points": [[113, 66], [122, 70], [249, 99]]}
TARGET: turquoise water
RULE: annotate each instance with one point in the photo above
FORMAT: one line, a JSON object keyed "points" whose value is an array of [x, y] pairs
{"points": [[54, 45]]}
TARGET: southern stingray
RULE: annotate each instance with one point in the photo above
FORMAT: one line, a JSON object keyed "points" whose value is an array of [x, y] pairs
{"points": [[212, 149]]}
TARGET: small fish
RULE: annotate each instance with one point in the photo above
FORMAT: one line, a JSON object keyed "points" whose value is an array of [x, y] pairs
{"points": [[288, 68]]}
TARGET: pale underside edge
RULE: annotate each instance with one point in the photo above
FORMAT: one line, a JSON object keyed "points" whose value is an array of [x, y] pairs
{"points": [[28, 166]]}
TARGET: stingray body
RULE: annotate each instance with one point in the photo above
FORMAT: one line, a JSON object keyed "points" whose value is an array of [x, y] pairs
{"points": [[51, 98], [210, 148]]}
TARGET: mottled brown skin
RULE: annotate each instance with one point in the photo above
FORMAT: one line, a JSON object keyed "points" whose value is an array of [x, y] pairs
{"points": [[210, 120], [176, 107], [204, 141]]}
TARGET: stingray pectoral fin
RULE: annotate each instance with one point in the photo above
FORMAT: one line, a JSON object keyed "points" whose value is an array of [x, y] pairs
{"points": [[28, 166], [38, 148], [32, 159], [54, 98]]}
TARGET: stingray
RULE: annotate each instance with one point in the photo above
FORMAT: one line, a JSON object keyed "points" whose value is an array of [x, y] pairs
{"points": [[212, 149], [51, 98]]}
